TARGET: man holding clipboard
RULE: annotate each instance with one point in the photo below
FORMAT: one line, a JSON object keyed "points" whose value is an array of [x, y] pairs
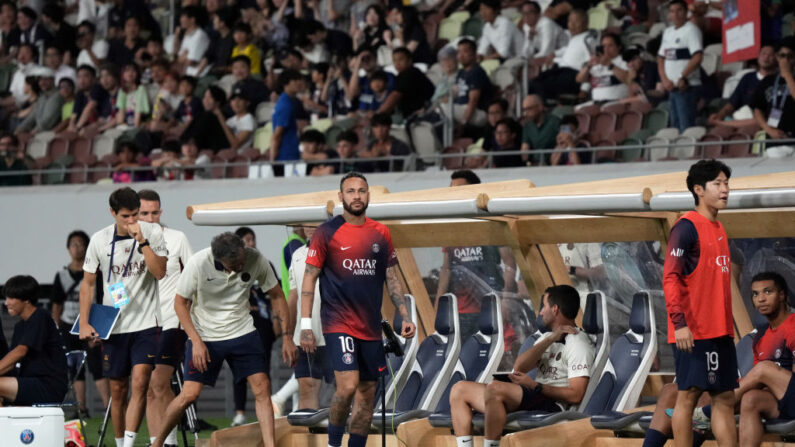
{"points": [[132, 257]]}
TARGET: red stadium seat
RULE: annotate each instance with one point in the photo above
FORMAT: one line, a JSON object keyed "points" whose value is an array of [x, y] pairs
{"points": [[710, 151], [591, 110], [630, 122], [640, 106], [584, 123], [219, 170], [57, 147], [453, 163], [227, 154], [602, 125], [239, 168], [105, 170], [82, 148], [607, 154], [616, 107], [78, 173], [737, 150]]}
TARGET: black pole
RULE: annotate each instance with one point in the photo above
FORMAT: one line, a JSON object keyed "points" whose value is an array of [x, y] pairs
{"points": [[383, 410]]}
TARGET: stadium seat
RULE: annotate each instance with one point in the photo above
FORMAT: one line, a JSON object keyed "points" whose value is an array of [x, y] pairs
{"points": [[490, 66], [616, 107], [685, 147], [598, 18], [227, 154], [78, 173], [657, 148], [226, 83], [265, 112], [630, 155], [583, 123], [712, 57], [460, 16], [436, 360], [400, 367], [630, 122], [759, 143], [57, 147], [712, 150], [655, 120], [424, 140], [100, 171], [657, 29], [602, 125], [473, 27], [640, 106], [635, 39], [696, 132], [503, 78], [604, 155], [239, 167], [589, 109], [262, 138], [450, 29], [731, 82], [737, 150]]}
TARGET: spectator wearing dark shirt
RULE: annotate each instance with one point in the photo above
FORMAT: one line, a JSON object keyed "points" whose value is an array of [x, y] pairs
{"points": [[190, 106], [774, 99], [473, 87], [205, 129], [384, 145], [744, 91], [254, 89], [361, 87], [380, 84], [346, 150], [505, 138], [566, 141], [284, 141], [497, 110], [86, 89], [64, 34], [123, 51], [30, 31], [222, 44], [412, 88], [412, 34], [36, 345], [13, 159], [375, 32]]}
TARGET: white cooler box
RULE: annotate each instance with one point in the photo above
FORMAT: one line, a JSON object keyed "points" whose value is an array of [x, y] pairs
{"points": [[31, 427]]}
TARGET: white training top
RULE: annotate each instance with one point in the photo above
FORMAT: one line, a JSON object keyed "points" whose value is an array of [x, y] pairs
{"points": [[220, 309], [547, 37], [605, 86], [502, 35], [179, 251], [296, 270], [677, 47], [576, 54], [195, 44], [143, 310], [564, 361], [584, 255]]}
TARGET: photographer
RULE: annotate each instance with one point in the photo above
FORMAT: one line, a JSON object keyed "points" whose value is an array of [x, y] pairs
{"points": [[566, 141], [606, 72]]}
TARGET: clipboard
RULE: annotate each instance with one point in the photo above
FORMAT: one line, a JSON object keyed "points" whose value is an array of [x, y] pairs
{"points": [[102, 318]]}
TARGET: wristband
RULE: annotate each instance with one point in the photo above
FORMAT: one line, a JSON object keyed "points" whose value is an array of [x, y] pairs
{"points": [[306, 323]]}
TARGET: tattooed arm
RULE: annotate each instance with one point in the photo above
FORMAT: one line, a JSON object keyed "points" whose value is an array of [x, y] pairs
{"points": [[307, 300], [396, 295], [281, 316]]}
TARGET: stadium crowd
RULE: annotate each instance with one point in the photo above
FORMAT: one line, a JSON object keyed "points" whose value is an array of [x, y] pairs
{"points": [[118, 87]]}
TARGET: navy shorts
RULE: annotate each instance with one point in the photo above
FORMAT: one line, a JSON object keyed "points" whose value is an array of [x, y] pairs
{"points": [[38, 390], [786, 406], [171, 347], [244, 355], [711, 366], [121, 352], [348, 353], [314, 365], [532, 401]]}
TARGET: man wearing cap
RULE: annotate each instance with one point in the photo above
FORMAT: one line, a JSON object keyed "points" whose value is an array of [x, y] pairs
{"points": [[47, 111]]}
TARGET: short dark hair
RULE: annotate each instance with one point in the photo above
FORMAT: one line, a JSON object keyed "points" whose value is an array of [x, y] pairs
{"points": [[171, 145], [30, 12], [53, 11], [570, 120], [87, 24], [566, 298], [380, 75], [218, 94], [534, 5], [53, 47], [502, 102], [321, 67], [127, 145], [350, 136], [351, 175], [243, 27], [508, 122], [226, 246], [14, 139], [492, 4], [227, 16], [777, 279], [244, 231], [33, 49], [704, 171], [615, 38], [404, 51], [79, 234], [312, 136], [89, 68], [381, 119], [471, 43], [466, 174], [289, 76], [682, 3], [149, 194], [189, 79], [191, 11], [124, 198], [241, 58], [787, 42], [111, 68], [22, 287]]}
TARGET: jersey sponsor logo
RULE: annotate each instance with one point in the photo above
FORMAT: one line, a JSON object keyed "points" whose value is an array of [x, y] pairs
{"points": [[677, 252], [136, 268], [548, 371], [469, 254], [579, 367], [311, 253], [722, 261], [345, 248], [360, 267]]}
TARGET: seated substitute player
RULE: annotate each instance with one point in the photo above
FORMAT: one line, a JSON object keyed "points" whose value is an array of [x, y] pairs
{"points": [[171, 342], [697, 286], [131, 256], [773, 349], [36, 345], [353, 256], [212, 305], [564, 357]]}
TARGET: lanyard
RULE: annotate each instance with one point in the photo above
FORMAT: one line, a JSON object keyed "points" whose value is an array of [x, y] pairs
{"points": [[775, 94], [112, 249]]}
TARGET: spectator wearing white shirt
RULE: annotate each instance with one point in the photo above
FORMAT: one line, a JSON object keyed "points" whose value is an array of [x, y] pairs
{"points": [[239, 128], [190, 41], [678, 63], [53, 58], [26, 55], [500, 39], [95, 12], [569, 60], [606, 72], [92, 52], [542, 36]]}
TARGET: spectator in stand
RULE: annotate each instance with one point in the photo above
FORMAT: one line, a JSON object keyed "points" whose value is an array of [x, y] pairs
{"points": [[767, 65], [29, 30], [333, 14], [253, 89], [205, 129], [315, 102], [631, 12], [498, 109], [606, 72], [542, 36], [132, 100], [93, 51], [560, 10], [64, 35], [375, 33], [13, 159], [412, 88], [124, 9], [165, 103], [219, 54], [346, 150], [289, 59], [241, 33], [32, 93], [411, 35], [568, 60], [448, 62], [540, 128], [384, 145], [505, 141], [239, 128], [128, 160], [642, 77], [10, 30], [124, 50], [566, 141], [500, 39], [46, 113], [53, 58], [327, 41], [66, 88], [313, 151], [679, 62], [189, 107], [473, 87], [26, 66], [771, 20], [284, 141], [86, 99], [774, 98], [190, 41], [361, 87], [191, 157]]}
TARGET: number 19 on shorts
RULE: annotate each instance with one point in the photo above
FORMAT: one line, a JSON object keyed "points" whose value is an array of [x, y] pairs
{"points": [[712, 361]]}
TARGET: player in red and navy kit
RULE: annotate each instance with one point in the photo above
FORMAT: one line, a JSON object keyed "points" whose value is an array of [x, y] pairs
{"points": [[353, 256], [697, 285]]}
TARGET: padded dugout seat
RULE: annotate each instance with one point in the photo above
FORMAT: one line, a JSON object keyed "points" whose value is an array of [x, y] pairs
{"points": [[430, 373]]}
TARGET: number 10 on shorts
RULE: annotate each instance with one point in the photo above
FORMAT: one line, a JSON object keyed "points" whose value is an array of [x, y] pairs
{"points": [[347, 349]]}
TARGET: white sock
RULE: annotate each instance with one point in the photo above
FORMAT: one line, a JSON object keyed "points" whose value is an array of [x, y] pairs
{"points": [[172, 437], [491, 443], [295, 401], [286, 391], [129, 438], [463, 441], [119, 442], [152, 439]]}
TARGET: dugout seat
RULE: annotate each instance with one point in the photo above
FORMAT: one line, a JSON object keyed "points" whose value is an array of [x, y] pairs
{"points": [[480, 356], [436, 360]]}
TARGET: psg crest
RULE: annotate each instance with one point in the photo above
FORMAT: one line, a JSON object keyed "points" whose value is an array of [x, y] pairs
{"points": [[26, 436], [347, 358], [376, 248]]}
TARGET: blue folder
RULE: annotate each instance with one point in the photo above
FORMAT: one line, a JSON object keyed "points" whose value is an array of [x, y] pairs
{"points": [[102, 318]]}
